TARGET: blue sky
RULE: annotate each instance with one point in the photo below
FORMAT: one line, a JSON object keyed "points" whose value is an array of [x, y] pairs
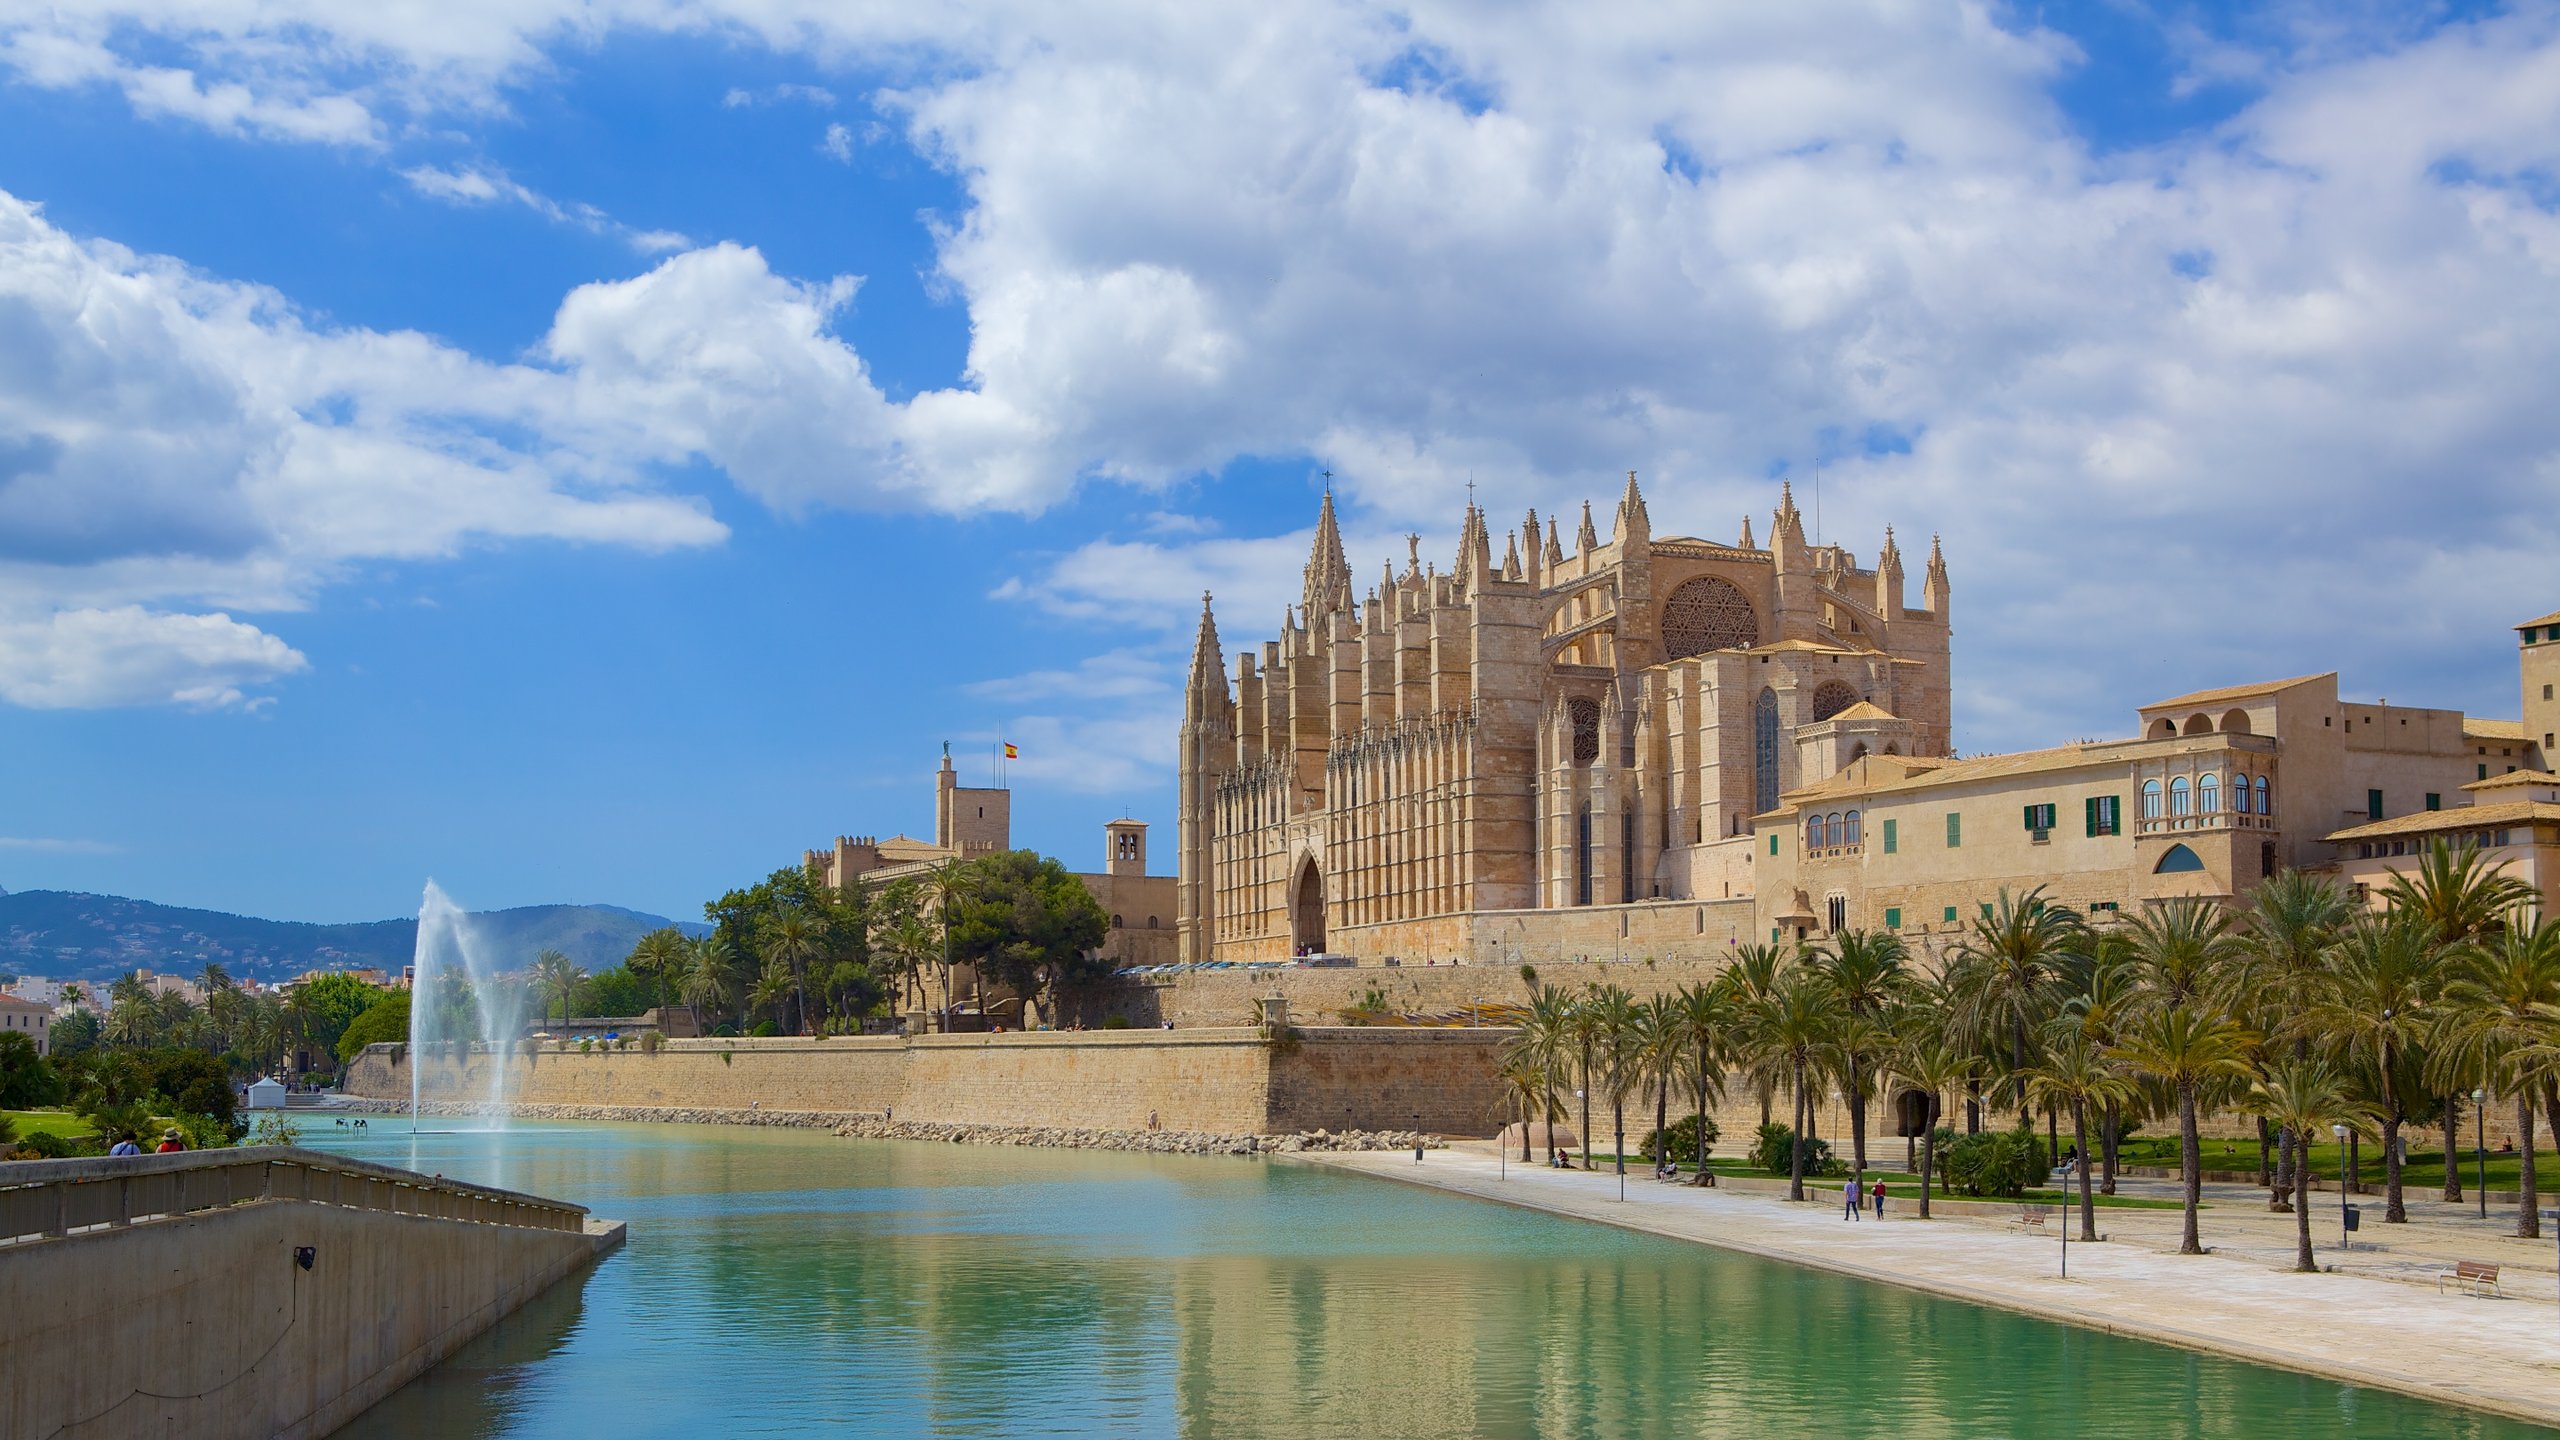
{"points": [[580, 452]]}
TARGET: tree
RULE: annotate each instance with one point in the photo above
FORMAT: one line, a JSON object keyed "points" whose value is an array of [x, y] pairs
{"points": [[706, 982], [1025, 921], [2074, 1075], [27, 1079], [2007, 969], [2464, 899], [385, 1021], [1928, 1061], [2304, 1096], [1864, 970], [2383, 973], [2192, 1050], [791, 941], [1704, 1016], [1792, 1028], [2292, 920], [2500, 1024], [76, 1032], [330, 1003], [1526, 1083], [1620, 1053], [658, 960], [556, 977], [947, 885], [1546, 1043]]}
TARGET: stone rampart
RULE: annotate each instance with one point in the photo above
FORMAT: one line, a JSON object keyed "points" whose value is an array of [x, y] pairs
{"points": [[1231, 1080], [1325, 996]]}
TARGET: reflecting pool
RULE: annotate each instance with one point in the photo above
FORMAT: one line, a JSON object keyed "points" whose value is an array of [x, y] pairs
{"points": [[785, 1282]]}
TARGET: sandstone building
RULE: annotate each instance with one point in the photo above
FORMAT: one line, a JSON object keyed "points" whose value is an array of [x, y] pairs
{"points": [[1466, 764], [972, 821]]}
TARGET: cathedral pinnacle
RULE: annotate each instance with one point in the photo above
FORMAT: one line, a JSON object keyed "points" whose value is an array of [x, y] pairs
{"points": [[1328, 578], [1588, 540], [1208, 666], [1747, 542]]}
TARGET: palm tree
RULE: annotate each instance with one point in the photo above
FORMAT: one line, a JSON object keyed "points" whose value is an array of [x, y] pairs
{"points": [[1619, 1047], [1931, 1063], [2501, 1020], [2383, 973], [2007, 971], [948, 884], [659, 956], [556, 975], [794, 942], [1662, 1049], [772, 987], [1704, 1014], [2074, 1075], [1583, 1033], [706, 980], [1528, 1084], [1546, 1044], [1793, 1030], [2105, 993], [2459, 895], [2193, 1050], [131, 1022], [2292, 920], [2305, 1097], [1865, 970], [1753, 977]]}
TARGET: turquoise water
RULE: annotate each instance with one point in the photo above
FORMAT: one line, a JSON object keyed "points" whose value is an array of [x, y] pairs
{"points": [[790, 1283]]}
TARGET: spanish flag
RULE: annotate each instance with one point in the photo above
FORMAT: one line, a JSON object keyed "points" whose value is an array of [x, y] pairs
{"points": [[1010, 753]]}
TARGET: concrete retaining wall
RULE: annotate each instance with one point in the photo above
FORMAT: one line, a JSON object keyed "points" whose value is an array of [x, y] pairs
{"points": [[204, 1326]]}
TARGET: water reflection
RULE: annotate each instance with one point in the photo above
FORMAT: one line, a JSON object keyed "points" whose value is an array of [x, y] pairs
{"points": [[783, 1283]]}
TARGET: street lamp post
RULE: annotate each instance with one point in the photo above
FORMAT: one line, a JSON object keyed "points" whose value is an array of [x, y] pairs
{"points": [[2480, 1145], [2343, 1242]]}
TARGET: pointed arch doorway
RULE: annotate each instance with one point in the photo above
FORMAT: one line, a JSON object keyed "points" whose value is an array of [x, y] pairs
{"points": [[1306, 909]]}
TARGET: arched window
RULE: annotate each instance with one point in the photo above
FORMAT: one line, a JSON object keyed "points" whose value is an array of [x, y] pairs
{"points": [[1151, 922], [1816, 833], [1852, 835], [2208, 793], [2178, 795], [2163, 728], [2150, 799], [2177, 860], [1833, 697], [2262, 796], [1584, 712], [1764, 752], [1115, 922]]}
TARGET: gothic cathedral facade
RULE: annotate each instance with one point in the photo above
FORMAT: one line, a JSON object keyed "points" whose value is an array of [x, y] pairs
{"points": [[1453, 765]]}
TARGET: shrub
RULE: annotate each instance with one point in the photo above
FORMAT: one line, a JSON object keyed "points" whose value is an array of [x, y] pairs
{"points": [[274, 1127], [50, 1146], [1774, 1153], [1683, 1138], [27, 1079], [386, 1020], [2000, 1163], [207, 1132], [653, 1041], [765, 1030], [586, 1044]]}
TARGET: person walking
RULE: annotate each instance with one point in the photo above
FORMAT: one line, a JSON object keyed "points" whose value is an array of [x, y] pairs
{"points": [[171, 1142], [1877, 1190], [1854, 1198]]}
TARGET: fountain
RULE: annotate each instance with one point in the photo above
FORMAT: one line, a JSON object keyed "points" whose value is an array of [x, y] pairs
{"points": [[456, 1002]]}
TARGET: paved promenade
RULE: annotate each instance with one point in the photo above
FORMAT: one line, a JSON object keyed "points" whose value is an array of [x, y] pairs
{"points": [[2378, 1320]]}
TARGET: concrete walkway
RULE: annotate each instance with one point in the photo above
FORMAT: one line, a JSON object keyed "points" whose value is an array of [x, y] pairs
{"points": [[2378, 1321]]}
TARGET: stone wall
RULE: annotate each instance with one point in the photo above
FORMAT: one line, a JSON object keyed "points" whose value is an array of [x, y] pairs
{"points": [[1226, 1079], [1321, 997]]}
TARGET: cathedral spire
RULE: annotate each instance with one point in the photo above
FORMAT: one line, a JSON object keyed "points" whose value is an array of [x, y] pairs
{"points": [[1511, 556], [1328, 578], [1588, 539], [1933, 587], [1747, 542], [1633, 522], [1889, 578], [1530, 536], [1208, 692]]}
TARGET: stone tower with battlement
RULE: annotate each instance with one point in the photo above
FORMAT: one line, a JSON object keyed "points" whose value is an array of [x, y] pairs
{"points": [[1410, 769]]}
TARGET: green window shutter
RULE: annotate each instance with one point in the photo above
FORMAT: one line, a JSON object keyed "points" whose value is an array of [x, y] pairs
{"points": [[1773, 842], [1773, 934], [2115, 814], [1986, 909], [2031, 818], [1951, 914], [2484, 771], [2089, 812], [2434, 801], [1890, 837], [2373, 804], [1955, 828], [1892, 917]]}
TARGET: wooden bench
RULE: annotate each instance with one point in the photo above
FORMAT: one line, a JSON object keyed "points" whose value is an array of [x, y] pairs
{"points": [[2032, 1216], [2476, 1277]]}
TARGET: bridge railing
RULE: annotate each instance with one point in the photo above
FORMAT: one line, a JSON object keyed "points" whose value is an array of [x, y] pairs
{"points": [[41, 1199]]}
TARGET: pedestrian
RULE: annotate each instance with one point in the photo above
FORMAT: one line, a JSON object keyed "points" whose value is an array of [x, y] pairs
{"points": [[1855, 1198], [1877, 1190], [124, 1146], [171, 1141]]}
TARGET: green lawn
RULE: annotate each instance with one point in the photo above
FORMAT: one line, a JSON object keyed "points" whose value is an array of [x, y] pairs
{"points": [[1900, 1185], [2425, 1169], [50, 1122]]}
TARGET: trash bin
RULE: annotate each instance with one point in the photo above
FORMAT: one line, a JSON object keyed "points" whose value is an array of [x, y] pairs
{"points": [[2355, 1218]]}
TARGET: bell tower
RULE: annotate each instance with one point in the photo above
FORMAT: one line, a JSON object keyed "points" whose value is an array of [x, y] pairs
{"points": [[2538, 667]]}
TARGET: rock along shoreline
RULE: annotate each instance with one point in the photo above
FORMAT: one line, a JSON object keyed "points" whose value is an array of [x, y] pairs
{"points": [[858, 1125]]}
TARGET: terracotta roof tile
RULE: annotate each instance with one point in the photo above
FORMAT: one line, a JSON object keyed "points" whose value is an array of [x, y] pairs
{"points": [[2465, 817], [2236, 692]]}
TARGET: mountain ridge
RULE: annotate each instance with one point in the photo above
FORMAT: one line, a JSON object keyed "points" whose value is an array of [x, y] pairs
{"points": [[74, 935]]}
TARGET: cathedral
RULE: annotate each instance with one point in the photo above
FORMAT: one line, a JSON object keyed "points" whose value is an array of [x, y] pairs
{"points": [[1568, 741]]}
